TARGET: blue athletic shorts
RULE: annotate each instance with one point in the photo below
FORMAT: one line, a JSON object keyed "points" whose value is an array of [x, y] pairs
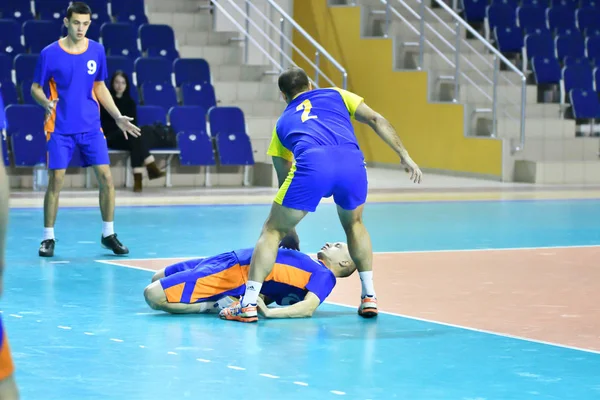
{"points": [[338, 171], [92, 147]]}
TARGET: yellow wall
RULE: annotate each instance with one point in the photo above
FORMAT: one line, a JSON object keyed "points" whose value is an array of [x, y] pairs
{"points": [[432, 133]]}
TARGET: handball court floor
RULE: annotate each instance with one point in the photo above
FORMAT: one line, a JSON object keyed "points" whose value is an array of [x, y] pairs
{"points": [[487, 291]]}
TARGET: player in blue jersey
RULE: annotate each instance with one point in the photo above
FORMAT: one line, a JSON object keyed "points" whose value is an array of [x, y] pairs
{"points": [[297, 282], [74, 70], [8, 387], [316, 154]]}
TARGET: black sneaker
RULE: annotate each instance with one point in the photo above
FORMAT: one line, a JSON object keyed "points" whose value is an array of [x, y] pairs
{"points": [[112, 243], [47, 248]]}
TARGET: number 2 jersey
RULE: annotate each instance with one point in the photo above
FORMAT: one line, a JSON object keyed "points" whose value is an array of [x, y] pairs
{"points": [[70, 78], [317, 118]]}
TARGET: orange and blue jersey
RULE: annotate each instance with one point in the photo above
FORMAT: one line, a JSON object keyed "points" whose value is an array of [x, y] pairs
{"points": [[6, 364], [71, 77], [315, 132], [293, 276], [75, 120]]}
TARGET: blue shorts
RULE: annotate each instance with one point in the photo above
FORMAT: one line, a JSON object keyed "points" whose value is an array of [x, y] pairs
{"points": [[92, 148], [338, 171], [205, 279]]}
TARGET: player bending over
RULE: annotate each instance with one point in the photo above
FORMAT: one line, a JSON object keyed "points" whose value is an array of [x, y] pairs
{"points": [[298, 282]]}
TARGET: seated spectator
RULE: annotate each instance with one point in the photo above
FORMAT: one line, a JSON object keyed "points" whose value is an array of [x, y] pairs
{"points": [[139, 147]]}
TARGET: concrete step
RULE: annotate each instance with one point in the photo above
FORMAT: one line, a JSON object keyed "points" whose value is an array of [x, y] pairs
{"points": [[260, 127], [241, 73], [560, 149], [215, 55], [548, 128], [505, 94], [200, 21], [194, 37], [230, 92], [532, 110], [571, 172], [261, 108], [186, 6]]}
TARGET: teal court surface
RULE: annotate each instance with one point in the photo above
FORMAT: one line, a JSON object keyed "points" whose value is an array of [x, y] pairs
{"points": [[468, 290]]}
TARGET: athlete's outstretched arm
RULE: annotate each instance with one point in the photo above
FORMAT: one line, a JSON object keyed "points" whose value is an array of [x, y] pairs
{"points": [[4, 194], [386, 131], [123, 121], [301, 309]]}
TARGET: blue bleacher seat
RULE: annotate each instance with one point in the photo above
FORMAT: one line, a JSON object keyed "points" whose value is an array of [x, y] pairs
{"points": [[576, 77], [25, 127], [537, 44], [198, 95], [51, 10], [571, 4], [159, 94], [566, 31], [498, 15], [6, 63], [587, 18], [10, 38], [187, 118], [25, 91], [529, 17], [195, 148], [170, 55], [474, 10], [152, 69], [18, 10], [160, 38], [590, 3], [569, 45], [131, 11], [585, 104], [561, 18], [148, 115], [191, 70], [24, 65], [3, 138], [596, 72], [39, 34], [509, 39], [119, 63], [546, 70], [570, 60], [8, 92], [534, 3], [120, 39], [512, 3], [228, 126], [592, 47]]}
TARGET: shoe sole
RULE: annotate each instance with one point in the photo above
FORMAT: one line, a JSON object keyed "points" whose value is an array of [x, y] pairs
{"points": [[46, 255], [119, 254], [241, 319], [369, 313]]}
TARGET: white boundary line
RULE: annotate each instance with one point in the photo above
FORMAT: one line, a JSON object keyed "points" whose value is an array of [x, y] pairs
{"points": [[116, 263]]}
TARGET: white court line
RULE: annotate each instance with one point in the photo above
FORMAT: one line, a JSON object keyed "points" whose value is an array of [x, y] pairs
{"points": [[473, 329]]}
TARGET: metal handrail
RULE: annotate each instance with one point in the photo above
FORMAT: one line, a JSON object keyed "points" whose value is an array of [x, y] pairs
{"points": [[279, 48], [459, 24]]}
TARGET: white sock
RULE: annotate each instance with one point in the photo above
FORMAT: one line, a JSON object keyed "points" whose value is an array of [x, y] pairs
{"points": [[366, 278], [252, 291], [48, 233], [108, 228]]}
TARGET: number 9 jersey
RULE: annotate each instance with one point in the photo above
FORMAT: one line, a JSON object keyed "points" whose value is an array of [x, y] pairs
{"points": [[70, 78], [315, 131]]}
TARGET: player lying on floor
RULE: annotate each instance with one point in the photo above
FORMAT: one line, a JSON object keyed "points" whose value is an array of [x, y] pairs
{"points": [[298, 282]]}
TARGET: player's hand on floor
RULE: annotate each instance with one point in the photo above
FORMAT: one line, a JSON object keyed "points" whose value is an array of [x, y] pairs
{"points": [[49, 108], [411, 167], [263, 309], [124, 123]]}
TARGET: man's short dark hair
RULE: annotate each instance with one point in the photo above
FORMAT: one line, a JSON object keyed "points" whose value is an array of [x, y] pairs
{"points": [[78, 7], [293, 81]]}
